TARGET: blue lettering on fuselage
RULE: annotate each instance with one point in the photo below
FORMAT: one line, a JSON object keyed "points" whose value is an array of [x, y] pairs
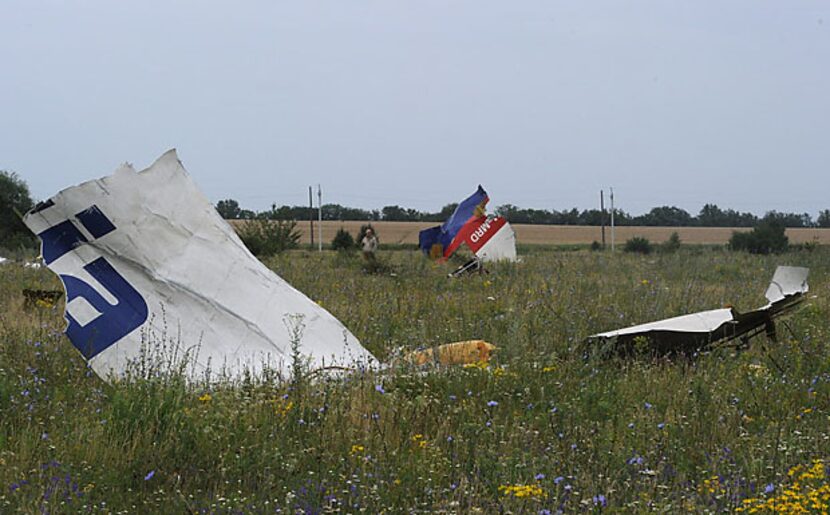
{"points": [[114, 321]]}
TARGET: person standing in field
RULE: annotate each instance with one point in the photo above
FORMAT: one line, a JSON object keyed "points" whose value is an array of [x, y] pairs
{"points": [[369, 245]]}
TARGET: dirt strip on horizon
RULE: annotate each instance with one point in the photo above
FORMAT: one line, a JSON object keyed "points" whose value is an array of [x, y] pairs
{"points": [[407, 232]]}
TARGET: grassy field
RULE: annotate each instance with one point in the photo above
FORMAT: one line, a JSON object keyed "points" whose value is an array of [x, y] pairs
{"points": [[407, 232], [548, 426]]}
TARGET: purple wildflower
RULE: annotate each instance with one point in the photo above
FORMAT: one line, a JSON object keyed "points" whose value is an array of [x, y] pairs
{"points": [[636, 460], [150, 475]]}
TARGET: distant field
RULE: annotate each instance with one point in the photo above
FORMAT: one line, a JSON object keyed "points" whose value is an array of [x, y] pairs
{"points": [[407, 232]]}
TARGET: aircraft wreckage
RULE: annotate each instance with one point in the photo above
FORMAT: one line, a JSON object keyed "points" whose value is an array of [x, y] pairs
{"points": [[154, 276], [697, 331], [489, 238], [139, 252]]}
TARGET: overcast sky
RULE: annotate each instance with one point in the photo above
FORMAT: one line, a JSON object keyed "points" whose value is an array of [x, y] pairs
{"points": [[415, 103]]}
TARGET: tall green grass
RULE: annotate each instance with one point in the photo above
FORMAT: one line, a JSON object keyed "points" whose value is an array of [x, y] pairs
{"points": [[570, 430]]}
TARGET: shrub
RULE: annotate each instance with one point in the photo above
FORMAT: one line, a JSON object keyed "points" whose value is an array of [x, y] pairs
{"points": [[810, 246], [638, 244], [596, 246], [14, 201], [672, 244], [343, 241], [765, 238], [265, 237]]}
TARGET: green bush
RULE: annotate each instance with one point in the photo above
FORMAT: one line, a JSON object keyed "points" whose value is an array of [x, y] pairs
{"points": [[343, 241], [766, 238], [810, 246], [265, 237], [672, 244], [14, 202], [638, 244]]}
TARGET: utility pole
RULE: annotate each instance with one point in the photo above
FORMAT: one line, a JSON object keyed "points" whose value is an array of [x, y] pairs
{"points": [[311, 216], [602, 216], [319, 218], [612, 220]]}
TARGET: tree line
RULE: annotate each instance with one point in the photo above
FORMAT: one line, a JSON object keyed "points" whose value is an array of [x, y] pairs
{"points": [[664, 216], [15, 199]]}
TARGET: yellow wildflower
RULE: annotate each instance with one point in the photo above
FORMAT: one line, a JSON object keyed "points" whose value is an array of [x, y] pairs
{"points": [[357, 449], [283, 406], [523, 491], [206, 397], [808, 491], [711, 485], [419, 441], [481, 365]]}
